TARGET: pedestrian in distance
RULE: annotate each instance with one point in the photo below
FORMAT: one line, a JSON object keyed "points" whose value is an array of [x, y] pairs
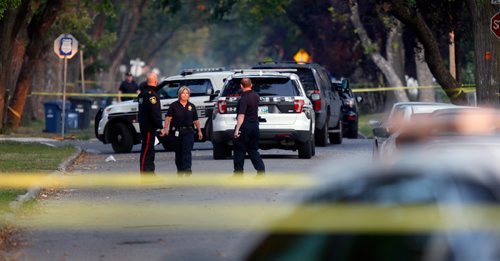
{"points": [[246, 132], [128, 86], [181, 116], [150, 121]]}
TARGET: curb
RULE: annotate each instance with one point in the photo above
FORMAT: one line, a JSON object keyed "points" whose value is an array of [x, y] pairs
{"points": [[33, 192]]}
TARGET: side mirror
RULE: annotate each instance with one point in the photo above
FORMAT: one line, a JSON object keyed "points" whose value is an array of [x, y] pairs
{"points": [[345, 84], [359, 99], [374, 123], [380, 132]]}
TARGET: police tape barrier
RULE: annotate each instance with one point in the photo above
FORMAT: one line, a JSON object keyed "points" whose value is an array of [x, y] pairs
{"points": [[374, 89], [134, 180], [78, 94], [380, 89], [283, 217]]}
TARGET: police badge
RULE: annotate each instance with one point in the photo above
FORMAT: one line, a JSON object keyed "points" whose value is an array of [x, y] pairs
{"points": [[190, 108], [152, 100]]}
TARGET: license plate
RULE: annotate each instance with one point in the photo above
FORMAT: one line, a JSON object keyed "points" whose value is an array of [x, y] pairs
{"points": [[263, 109]]}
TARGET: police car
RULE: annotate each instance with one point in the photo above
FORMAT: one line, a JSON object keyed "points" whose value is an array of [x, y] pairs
{"points": [[118, 124], [286, 114]]}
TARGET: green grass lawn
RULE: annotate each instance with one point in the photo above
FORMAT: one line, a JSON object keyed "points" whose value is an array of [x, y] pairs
{"points": [[36, 129], [363, 123], [19, 157]]}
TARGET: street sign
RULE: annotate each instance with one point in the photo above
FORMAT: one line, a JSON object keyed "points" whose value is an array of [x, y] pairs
{"points": [[136, 67], [65, 46], [301, 56], [495, 24]]}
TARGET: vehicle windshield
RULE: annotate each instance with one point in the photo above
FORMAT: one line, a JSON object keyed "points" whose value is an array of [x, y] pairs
{"points": [[307, 79], [265, 86], [198, 87]]}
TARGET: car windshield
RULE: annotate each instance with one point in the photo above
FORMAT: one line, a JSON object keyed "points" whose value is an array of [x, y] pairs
{"points": [[307, 79], [265, 86], [198, 87]]}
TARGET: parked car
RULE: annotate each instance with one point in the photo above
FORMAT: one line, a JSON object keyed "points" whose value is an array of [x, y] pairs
{"points": [[429, 205], [327, 103], [118, 124], [350, 113], [385, 136], [286, 115]]}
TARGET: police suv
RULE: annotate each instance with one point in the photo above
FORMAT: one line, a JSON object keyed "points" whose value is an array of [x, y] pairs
{"points": [[286, 115], [118, 124]]}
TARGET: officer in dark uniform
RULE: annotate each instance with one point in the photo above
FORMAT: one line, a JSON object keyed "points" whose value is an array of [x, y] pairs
{"points": [[246, 133], [149, 121], [127, 87], [181, 116]]}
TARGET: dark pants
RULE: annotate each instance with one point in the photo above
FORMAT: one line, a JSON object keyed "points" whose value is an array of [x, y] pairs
{"points": [[147, 159], [248, 142], [183, 145]]}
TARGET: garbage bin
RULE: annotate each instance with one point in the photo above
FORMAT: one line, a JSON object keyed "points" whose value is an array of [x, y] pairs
{"points": [[53, 116], [82, 107]]}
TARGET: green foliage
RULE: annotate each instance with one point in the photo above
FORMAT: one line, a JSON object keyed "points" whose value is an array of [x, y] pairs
{"points": [[338, 16], [6, 4]]}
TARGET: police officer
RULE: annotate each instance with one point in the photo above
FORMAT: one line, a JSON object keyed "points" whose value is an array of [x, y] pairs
{"points": [[246, 132], [149, 121], [179, 122], [128, 86]]}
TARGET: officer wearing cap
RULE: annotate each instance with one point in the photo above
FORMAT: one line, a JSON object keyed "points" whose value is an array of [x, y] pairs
{"points": [[246, 132], [126, 87], [149, 121], [181, 116]]}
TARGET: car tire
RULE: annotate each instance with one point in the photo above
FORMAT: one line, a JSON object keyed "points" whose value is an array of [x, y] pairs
{"points": [[313, 146], [121, 138], [220, 151], [321, 136], [353, 133], [336, 137], [305, 150]]}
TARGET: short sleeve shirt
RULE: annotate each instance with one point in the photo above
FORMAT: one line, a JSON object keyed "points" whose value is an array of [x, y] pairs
{"points": [[182, 116], [249, 105]]}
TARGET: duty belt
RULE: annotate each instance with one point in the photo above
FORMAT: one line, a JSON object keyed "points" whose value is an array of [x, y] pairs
{"points": [[182, 128]]}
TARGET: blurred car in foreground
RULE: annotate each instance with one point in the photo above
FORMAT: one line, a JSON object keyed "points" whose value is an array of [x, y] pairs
{"points": [[401, 114], [448, 125], [441, 204]]}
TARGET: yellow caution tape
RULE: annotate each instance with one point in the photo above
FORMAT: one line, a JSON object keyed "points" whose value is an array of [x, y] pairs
{"points": [[108, 214], [14, 112], [84, 94], [379, 89], [134, 180]]}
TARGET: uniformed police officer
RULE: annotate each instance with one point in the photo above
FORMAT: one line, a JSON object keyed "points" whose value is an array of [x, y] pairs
{"points": [[149, 121], [179, 122], [246, 132]]}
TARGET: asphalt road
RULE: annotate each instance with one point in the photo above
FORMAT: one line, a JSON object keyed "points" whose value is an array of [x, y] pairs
{"points": [[153, 234]]}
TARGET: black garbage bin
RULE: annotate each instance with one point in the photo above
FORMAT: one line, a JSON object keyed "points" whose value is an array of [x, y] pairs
{"points": [[53, 116], [82, 107]]}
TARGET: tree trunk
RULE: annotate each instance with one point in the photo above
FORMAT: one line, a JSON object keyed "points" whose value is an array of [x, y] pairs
{"points": [[10, 25], [37, 29], [415, 22], [383, 65], [127, 27], [424, 76], [487, 70], [395, 57]]}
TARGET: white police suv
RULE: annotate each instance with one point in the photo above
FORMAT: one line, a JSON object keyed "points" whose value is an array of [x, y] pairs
{"points": [[118, 124], [286, 115]]}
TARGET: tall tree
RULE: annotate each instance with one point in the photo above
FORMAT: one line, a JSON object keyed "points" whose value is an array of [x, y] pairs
{"points": [[37, 29], [13, 18], [408, 14], [386, 65], [487, 70]]}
